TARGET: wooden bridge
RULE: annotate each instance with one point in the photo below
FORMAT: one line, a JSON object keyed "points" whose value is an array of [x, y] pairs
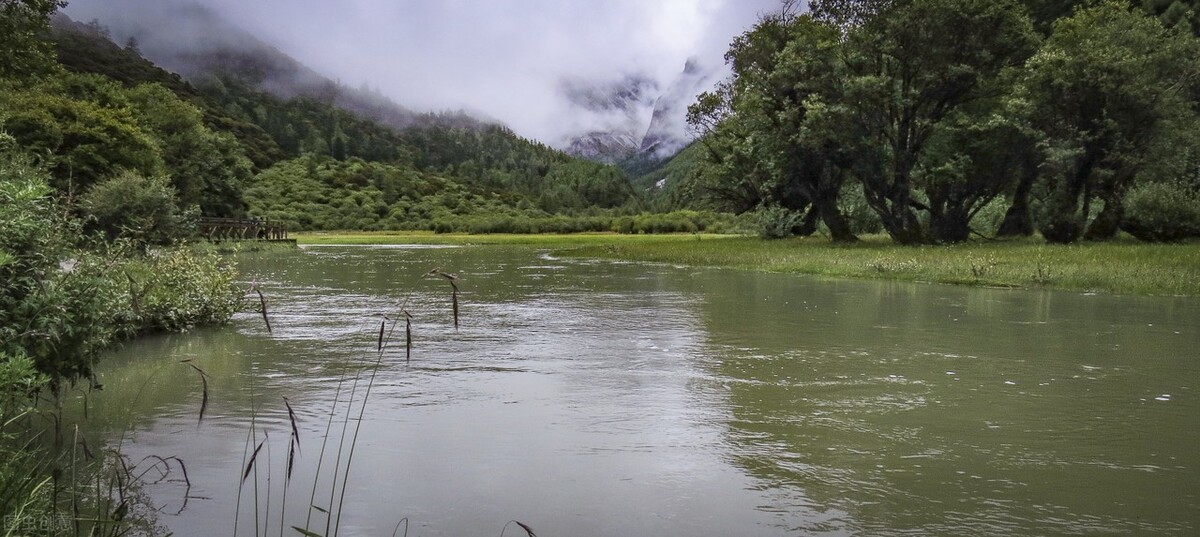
{"points": [[240, 229]]}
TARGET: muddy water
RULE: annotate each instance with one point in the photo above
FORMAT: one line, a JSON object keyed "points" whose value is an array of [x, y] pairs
{"points": [[599, 398]]}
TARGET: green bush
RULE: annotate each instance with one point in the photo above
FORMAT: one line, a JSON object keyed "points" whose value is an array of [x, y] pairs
{"points": [[1159, 212], [55, 315], [19, 378], [776, 222], [862, 219], [987, 221], [179, 289], [61, 306], [135, 207]]}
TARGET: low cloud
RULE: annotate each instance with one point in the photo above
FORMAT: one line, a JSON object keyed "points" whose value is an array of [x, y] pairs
{"points": [[504, 59]]}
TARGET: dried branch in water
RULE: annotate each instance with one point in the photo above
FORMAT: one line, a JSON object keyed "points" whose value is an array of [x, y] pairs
{"points": [[407, 336]]}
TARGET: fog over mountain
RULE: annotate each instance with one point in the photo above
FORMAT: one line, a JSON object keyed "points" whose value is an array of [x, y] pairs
{"points": [[549, 69]]}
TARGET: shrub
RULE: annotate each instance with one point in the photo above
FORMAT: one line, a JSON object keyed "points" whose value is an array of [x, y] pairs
{"points": [[129, 205], [987, 221], [1160, 212], [179, 289], [776, 222], [862, 219]]}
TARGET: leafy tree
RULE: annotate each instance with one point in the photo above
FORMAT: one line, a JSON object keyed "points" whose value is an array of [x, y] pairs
{"points": [[980, 152], [84, 128], [209, 169], [131, 206], [1182, 14], [23, 27], [909, 69], [1103, 88], [786, 70], [845, 14]]}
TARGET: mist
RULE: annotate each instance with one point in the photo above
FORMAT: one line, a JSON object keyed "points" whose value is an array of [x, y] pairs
{"points": [[504, 59]]}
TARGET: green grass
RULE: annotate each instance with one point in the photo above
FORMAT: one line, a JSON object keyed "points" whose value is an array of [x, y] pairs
{"points": [[1123, 266]]}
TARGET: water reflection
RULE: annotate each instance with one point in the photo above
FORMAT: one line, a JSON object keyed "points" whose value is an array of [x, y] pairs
{"points": [[594, 398]]}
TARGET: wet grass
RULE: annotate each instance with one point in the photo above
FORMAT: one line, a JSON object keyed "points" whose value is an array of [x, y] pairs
{"points": [[1123, 266]]}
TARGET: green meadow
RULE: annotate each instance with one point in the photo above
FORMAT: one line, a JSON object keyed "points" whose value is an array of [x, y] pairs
{"points": [[1121, 266]]}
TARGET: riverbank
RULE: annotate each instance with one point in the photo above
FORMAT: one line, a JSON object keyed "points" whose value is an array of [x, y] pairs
{"points": [[1123, 266]]}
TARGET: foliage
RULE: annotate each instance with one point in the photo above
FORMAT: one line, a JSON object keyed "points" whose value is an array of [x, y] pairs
{"points": [[785, 71], [19, 378], [911, 68], [1181, 14], [206, 167], [130, 206], [489, 160], [61, 305], [178, 289], [22, 26], [859, 216], [941, 111], [321, 193], [1106, 85], [1162, 212], [82, 127], [46, 313], [776, 222], [91, 128]]}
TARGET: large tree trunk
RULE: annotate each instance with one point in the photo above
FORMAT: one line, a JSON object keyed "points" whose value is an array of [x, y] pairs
{"points": [[1108, 222], [839, 228], [1063, 225], [894, 213], [1017, 221], [808, 225], [950, 226]]}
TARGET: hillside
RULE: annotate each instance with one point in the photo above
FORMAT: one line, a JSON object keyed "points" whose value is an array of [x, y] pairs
{"points": [[451, 152]]}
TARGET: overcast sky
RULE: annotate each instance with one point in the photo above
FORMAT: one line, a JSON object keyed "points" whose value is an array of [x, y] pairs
{"points": [[504, 58]]}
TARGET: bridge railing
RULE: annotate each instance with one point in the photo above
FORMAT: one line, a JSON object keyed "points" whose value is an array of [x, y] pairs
{"points": [[218, 228]]}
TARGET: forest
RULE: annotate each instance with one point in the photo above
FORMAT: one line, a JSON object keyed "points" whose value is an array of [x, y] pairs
{"points": [[953, 119]]}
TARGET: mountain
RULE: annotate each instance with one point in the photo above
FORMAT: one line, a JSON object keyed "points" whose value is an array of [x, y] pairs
{"points": [[199, 44], [641, 123], [310, 157], [667, 133], [618, 108]]}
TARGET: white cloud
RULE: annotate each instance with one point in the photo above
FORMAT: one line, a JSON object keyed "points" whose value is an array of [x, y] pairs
{"points": [[504, 58]]}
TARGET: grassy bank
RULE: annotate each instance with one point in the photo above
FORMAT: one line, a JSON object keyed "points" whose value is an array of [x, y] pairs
{"points": [[1126, 267]]}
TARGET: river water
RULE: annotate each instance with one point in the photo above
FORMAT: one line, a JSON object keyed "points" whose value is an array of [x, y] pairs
{"points": [[598, 398]]}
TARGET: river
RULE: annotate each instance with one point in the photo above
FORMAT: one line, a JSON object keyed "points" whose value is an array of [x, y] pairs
{"points": [[599, 398]]}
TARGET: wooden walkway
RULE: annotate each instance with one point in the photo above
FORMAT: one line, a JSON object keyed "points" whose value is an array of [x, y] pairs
{"points": [[241, 229]]}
